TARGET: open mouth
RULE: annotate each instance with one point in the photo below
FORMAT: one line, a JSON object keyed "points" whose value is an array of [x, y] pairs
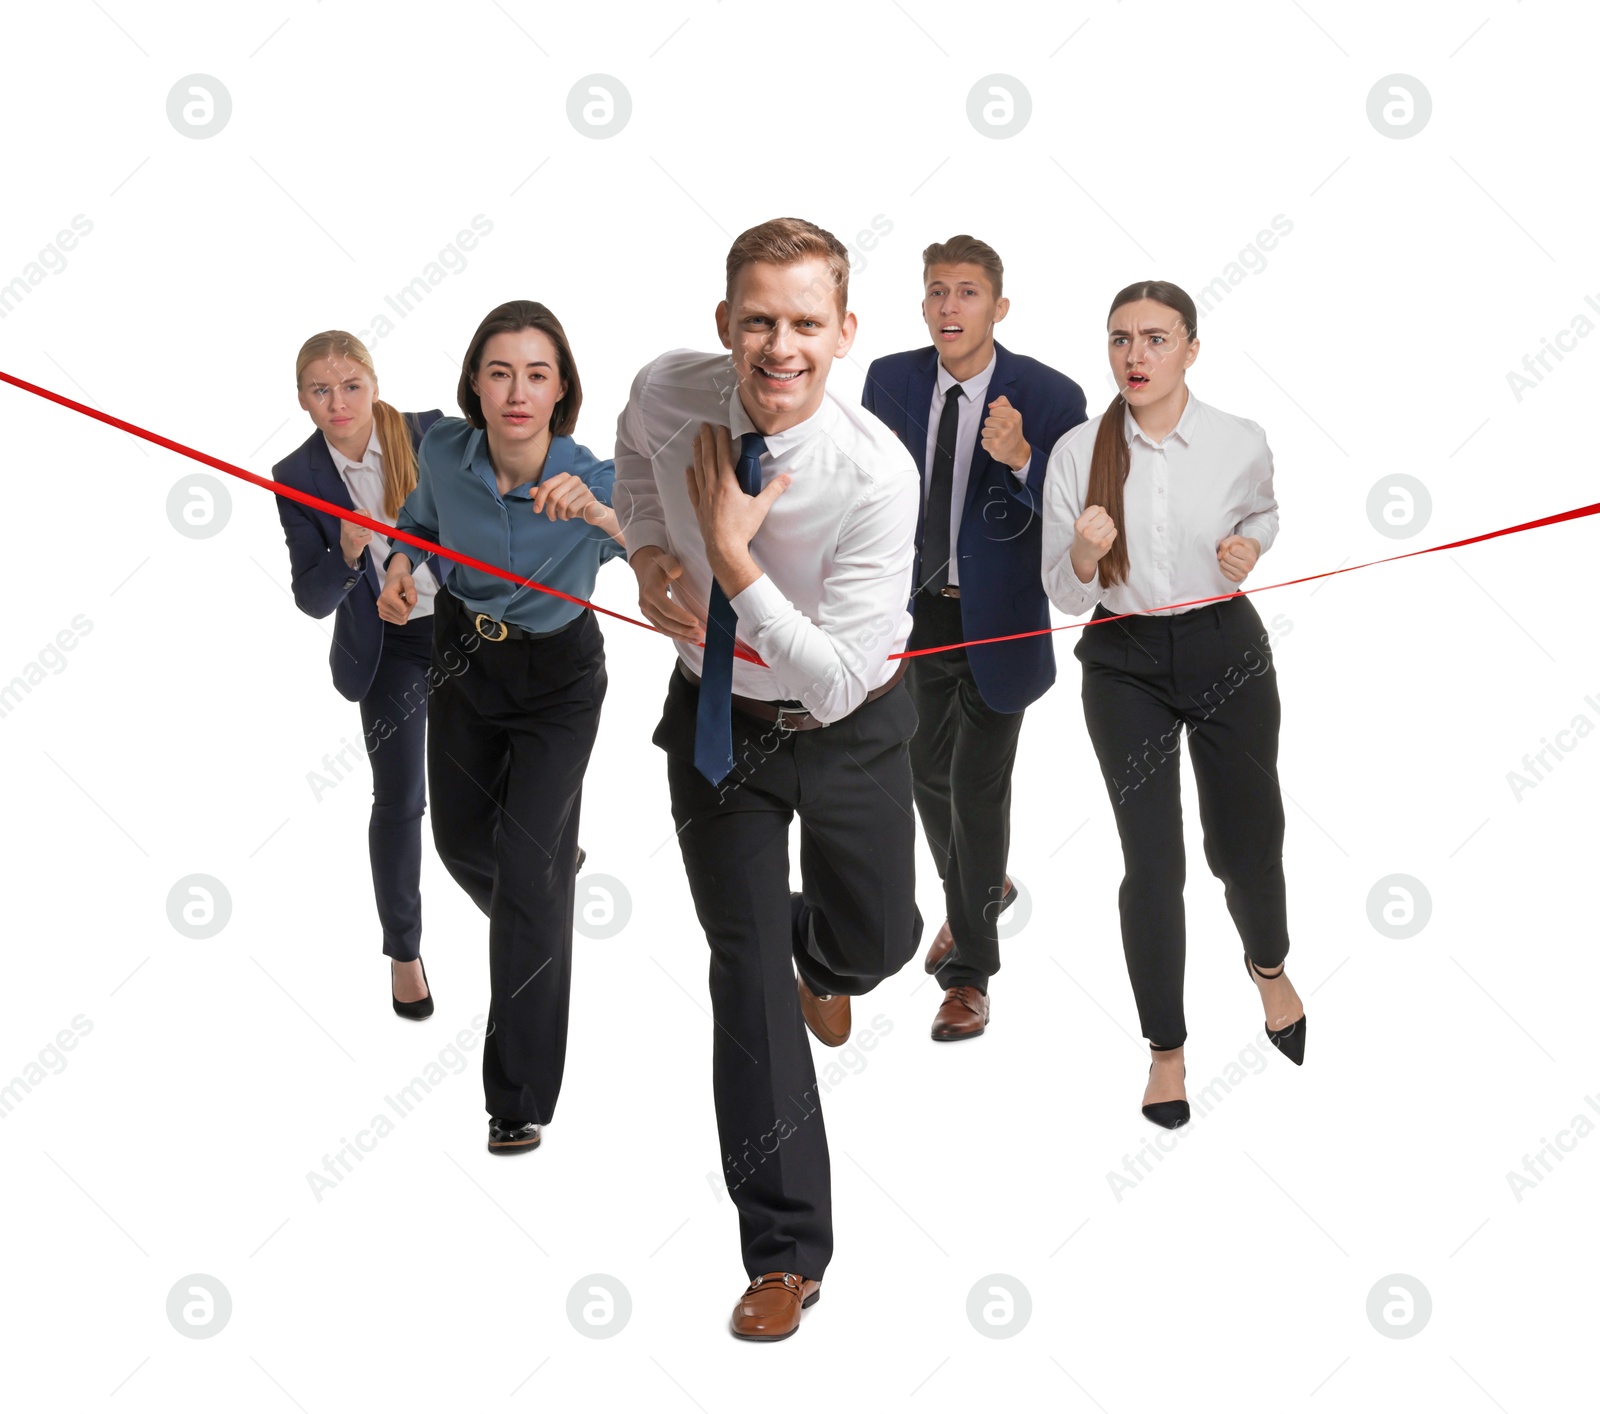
{"points": [[1137, 380], [779, 377], [949, 332]]}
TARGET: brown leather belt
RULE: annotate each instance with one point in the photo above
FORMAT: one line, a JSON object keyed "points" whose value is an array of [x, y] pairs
{"points": [[790, 718]]}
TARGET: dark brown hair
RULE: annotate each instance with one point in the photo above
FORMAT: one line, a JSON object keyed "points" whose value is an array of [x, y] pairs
{"points": [[787, 240], [1108, 469], [511, 318], [965, 250], [394, 441]]}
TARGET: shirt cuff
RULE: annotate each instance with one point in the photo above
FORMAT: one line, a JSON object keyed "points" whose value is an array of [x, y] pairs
{"points": [[757, 604]]}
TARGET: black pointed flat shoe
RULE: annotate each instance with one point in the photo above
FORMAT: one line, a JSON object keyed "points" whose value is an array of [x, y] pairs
{"points": [[413, 1011]]}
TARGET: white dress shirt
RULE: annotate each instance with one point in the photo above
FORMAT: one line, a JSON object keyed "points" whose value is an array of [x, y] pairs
{"points": [[968, 421], [1210, 477], [836, 549], [364, 481]]}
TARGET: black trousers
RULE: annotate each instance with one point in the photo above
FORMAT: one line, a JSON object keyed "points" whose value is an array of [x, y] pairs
{"points": [[961, 760], [1147, 681], [850, 784], [394, 716], [512, 727]]}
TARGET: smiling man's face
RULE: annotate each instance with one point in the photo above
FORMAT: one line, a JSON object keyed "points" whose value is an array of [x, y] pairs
{"points": [[783, 326]]}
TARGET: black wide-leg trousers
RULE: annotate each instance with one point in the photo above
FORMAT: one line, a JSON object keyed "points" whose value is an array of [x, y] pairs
{"points": [[850, 785], [1149, 680], [511, 728]]}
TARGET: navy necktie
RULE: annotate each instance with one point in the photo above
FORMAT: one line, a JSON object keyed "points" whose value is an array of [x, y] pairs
{"points": [[713, 728], [936, 519]]}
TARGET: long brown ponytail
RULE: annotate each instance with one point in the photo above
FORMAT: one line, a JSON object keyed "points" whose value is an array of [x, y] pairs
{"points": [[394, 438], [1108, 468]]}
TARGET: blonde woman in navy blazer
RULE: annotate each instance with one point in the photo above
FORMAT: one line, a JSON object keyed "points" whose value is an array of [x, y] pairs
{"points": [[362, 442]]}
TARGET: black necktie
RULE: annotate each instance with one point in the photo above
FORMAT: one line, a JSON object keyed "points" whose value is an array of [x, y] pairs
{"points": [[713, 729], [936, 520]]}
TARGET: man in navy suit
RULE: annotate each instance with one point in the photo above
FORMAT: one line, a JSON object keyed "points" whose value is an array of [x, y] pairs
{"points": [[981, 422]]}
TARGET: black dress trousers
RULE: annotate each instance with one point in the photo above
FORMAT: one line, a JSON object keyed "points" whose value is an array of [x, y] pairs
{"points": [[850, 784], [394, 716], [1149, 680], [512, 727], [961, 760]]}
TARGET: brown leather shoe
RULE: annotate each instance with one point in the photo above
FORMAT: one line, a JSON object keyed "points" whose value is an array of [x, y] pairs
{"points": [[771, 1305], [827, 1016], [964, 1012]]}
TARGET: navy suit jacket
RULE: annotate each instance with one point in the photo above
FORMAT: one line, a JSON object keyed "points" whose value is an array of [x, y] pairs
{"points": [[1000, 546], [323, 583]]}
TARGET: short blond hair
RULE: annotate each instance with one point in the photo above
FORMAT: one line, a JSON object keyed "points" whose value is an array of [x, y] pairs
{"points": [[965, 250], [787, 240]]}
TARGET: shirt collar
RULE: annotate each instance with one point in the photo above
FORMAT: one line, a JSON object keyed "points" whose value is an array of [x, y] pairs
{"points": [[561, 457], [1184, 431], [971, 388], [779, 442], [373, 457]]}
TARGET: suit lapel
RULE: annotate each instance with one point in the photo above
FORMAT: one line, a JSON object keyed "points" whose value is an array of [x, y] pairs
{"points": [[1000, 384]]}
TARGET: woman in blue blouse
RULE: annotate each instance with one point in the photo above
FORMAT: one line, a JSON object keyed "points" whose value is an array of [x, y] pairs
{"points": [[519, 677]]}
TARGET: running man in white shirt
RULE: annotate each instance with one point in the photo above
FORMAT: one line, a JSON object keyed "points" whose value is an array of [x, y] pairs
{"points": [[1160, 501], [767, 517]]}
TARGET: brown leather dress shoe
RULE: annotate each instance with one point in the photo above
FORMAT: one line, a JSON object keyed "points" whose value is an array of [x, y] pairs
{"points": [[964, 1012], [771, 1305], [828, 1017]]}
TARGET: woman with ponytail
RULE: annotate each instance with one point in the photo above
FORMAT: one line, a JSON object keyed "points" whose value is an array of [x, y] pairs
{"points": [[363, 456], [1161, 501]]}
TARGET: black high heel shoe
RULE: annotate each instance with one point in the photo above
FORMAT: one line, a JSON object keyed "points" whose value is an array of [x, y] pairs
{"points": [[1169, 1114], [416, 1010], [1291, 1040]]}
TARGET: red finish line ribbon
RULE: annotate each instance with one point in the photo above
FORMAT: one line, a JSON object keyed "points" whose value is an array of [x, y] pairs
{"points": [[316, 503], [389, 532], [1576, 514]]}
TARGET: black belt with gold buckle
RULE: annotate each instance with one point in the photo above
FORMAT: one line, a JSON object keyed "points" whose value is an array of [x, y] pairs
{"points": [[495, 631]]}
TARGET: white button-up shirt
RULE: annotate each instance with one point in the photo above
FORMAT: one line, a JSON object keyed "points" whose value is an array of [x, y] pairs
{"points": [[968, 421], [364, 481], [1207, 479], [836, 550]]}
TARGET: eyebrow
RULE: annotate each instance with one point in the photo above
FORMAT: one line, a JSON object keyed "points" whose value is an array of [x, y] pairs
{"points": [[502, 363], [1148, 329]]}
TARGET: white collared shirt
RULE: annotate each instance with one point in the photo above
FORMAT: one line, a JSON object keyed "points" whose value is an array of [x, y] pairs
{"points": [[1210, 477], [364, 481], [836, 549], [968, 421]]}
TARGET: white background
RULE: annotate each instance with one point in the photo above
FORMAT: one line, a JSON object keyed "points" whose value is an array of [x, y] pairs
{"points": [[177, 736]]}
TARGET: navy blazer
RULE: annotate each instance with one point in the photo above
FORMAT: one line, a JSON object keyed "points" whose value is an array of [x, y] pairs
{"points": [[1000, 546], [323, 583]]}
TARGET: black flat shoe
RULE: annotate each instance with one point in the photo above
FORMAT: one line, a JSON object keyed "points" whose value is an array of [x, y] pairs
{"points": [[512, 1136], [1169, 1114], [413, 1011], [1291, 1040]]}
